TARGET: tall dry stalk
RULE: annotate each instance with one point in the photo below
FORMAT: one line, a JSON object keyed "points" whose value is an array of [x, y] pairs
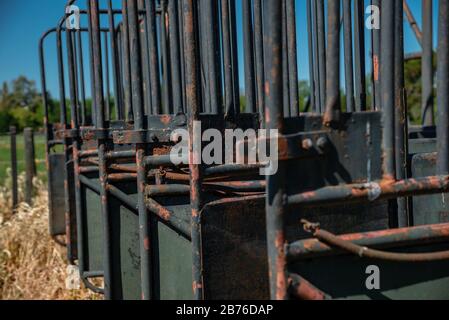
{"points": [[32, 265]]}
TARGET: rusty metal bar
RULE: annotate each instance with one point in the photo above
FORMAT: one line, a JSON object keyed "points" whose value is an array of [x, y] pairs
{"points": [[412, 22], [292, 54], [302, 289], [321, 57], [175, 56], [333, 108], [375, 47], [400, 116], [232, 95], [397, 238], [248, 49], [349, 69], [115, 62], [193, 106], [427, 64], [258, 52], [442, 165], [96, 64], [312, 56], [274, 120], [150, 7], [386, 189], [359, 51], [364, 252], [126, 63], [387, 89]]}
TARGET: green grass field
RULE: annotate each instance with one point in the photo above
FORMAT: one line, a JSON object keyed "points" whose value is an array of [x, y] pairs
{"points": [[5, 155]]}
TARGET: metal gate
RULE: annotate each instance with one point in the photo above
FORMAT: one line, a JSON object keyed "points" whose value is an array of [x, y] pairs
{"points": [[349, 176]]}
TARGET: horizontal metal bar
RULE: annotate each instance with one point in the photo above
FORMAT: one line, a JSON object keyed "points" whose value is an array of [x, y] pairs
{"points": [[303, 289], [385, 189], [396, 238]]}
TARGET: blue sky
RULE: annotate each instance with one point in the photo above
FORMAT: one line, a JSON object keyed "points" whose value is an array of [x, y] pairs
{"points": [[23, 21]]}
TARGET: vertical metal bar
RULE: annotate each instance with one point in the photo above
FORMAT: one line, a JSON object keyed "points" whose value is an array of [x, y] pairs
{"points": [[67, 158], [375, 47], [258, 50], [81, 78], [107, 77], [443, 93], [333, 110], [400, 111], [14, 187], [285, 62], [310, 33], [321, 34], [71, 60], [136, 65], [349, 70], [292, 57], [175, 56], [214, 56], [275, 183], [387, 87], [166, 64], [359, 43], [192, 96], [115, 62], [413, 23], [137, 94], [316, 65], [143, 28], [248, 48], [94, 22], [150, 7], [29, 164], [427, 64], [126, 63], [232, 95]]}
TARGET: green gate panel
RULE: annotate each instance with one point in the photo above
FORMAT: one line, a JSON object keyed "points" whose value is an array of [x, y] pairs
{"points": [[344, 276], [428, 209]]}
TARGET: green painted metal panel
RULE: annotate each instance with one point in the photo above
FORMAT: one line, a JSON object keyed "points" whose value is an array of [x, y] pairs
{"points": [[344, 277], [174, 265], [429, 209], [93, 230]]}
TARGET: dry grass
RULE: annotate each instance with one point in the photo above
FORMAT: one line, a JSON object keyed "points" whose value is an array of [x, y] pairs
{"points": [[32, 266]]}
